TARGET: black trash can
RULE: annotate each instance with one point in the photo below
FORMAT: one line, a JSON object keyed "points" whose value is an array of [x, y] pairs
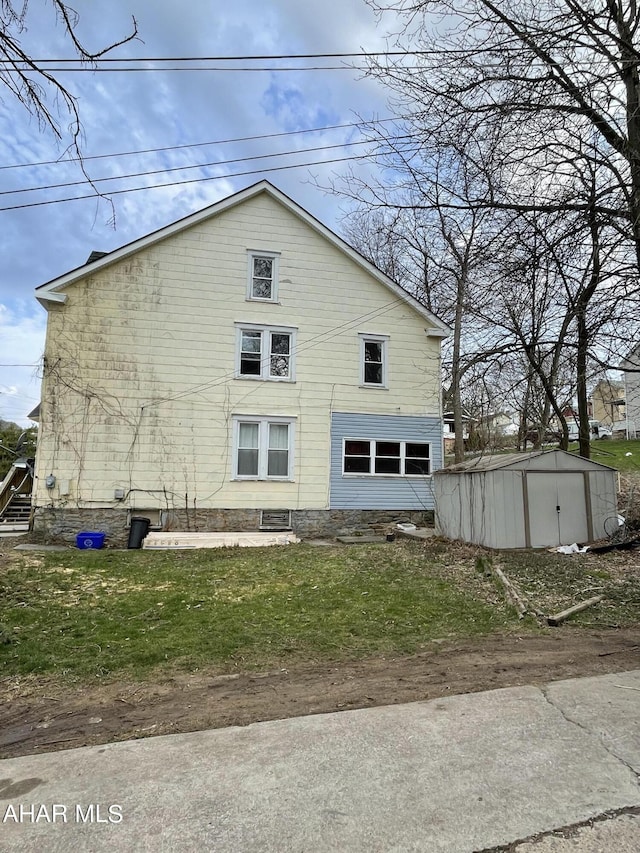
{"points": [[138, 530]]}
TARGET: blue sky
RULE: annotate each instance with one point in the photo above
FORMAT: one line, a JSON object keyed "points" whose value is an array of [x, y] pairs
{"points": [[131, 111]]}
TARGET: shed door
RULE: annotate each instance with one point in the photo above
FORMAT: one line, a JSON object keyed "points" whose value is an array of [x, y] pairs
{"points": [[557, 508]]}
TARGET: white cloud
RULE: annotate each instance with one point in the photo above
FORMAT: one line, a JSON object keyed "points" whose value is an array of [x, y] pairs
{"points": [[21, 343]]}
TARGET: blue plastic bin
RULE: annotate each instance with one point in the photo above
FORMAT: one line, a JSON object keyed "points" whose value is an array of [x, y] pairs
{"points": [[89, 539]]}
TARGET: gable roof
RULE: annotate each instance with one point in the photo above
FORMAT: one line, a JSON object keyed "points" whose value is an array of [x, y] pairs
{"points": [[53, 291]]}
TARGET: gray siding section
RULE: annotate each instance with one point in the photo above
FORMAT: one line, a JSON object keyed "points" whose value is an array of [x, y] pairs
{"points": [[370, 492]]}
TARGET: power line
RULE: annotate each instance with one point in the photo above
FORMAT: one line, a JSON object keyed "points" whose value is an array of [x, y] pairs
{"points": [[187, 167], [217, 68], [265, 170], [256, 57], [200, 144]]}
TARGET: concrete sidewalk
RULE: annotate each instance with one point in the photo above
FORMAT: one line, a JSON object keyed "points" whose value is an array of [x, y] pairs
{"points": [[465, 773]]}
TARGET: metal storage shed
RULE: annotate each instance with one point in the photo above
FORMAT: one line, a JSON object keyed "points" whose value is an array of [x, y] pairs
{"points": [[526, 500]]}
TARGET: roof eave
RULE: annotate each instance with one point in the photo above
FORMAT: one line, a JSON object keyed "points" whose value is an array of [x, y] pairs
{"points": [[51, 296]]}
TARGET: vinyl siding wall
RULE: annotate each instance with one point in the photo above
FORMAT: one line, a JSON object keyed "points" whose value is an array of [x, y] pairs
{"points": [[139, 390], [382, 492]]}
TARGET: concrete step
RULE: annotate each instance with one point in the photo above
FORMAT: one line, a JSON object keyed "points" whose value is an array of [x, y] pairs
{"points": [[226, 539]]}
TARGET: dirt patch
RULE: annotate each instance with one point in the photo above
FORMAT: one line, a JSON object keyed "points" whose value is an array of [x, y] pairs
{"points": [[41, 716]]}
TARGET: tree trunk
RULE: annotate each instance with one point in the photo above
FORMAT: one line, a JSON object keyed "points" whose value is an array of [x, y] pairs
{"points": [[582, 344], [458, 425]]}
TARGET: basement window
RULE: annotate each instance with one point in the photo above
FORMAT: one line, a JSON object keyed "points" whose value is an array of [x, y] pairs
{"points": [[275, 519], [154, 516]]}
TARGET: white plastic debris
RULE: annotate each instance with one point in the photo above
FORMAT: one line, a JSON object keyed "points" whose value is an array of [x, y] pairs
{"points": [[571, 549], [629, 454], [406, 526]]}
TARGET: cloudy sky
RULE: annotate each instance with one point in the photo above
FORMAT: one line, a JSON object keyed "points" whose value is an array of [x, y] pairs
{"points": [[178, 111]]}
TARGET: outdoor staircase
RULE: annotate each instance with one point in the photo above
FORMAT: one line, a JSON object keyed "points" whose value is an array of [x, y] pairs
{"points": [[15, 516], [15, 497]]}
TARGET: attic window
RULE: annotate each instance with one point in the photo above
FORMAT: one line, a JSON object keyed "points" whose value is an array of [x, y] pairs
{"points": [[262, 285]]}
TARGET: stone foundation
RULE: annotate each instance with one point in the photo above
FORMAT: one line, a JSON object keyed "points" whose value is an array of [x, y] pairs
{"points": [[60, 525], [327, 523]]}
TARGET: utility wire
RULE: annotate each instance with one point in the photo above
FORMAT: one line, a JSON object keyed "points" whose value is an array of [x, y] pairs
{"points": [[187, 167], [265, 170], [218, 68], [322, 337], [258, 57], [200, 144]]}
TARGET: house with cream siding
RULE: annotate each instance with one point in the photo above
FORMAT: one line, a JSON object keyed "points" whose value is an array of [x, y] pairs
{"points": [[239, 369]]}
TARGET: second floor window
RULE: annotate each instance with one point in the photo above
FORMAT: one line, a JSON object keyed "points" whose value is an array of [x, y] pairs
{"points": [[265, 353], [373, 360]]}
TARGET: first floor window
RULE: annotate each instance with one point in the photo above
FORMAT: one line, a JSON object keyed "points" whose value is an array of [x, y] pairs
{"points": [[263, 449], [399, 458]]}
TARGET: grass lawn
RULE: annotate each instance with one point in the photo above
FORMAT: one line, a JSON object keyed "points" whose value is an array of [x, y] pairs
{"points": [[86, 615], [623, 455], [82, 614]]}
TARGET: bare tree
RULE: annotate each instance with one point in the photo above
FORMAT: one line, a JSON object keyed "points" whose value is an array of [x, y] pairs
{"points": [[556, 77], [37, 89], [539, 106]]}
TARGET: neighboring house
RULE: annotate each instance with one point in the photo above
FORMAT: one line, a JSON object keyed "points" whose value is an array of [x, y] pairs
{"points": [[449, 430], [242, 367], [631, 371], [608, 403], [497, 425]]}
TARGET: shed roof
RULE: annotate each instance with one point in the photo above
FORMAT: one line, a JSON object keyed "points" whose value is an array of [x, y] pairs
{"points": [[513, 461]]}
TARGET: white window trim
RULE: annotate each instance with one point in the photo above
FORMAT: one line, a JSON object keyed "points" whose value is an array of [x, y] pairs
{"points": [[263, 422], [384, 340], [275, 257], [403, 456], [265, 359]]}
